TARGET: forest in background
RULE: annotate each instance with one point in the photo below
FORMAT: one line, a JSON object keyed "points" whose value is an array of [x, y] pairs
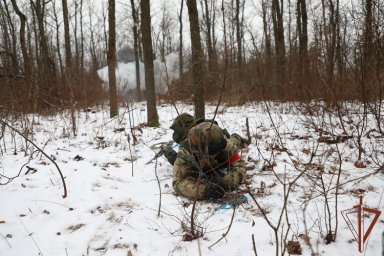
{"points": [[297, 50], [312, 71]]}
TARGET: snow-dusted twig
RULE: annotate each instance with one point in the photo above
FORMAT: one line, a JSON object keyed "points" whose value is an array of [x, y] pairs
{"points": [[10, 179], [45, 154], [31, 236], [225, 63], [158, 183], [229, 228], [254, 244]]}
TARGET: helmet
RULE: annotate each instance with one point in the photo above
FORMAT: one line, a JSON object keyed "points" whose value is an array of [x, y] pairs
{"points": [[207, 136], [181, 126]]}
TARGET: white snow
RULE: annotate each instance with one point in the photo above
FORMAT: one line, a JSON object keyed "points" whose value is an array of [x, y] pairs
{"points": [[112, 202]]}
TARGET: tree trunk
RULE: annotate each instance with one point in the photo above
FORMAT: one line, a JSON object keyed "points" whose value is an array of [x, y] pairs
{"points": [[58, 33], [267, 44], [47, 63], [239, 38], [181, 63], [68, 64], [303, 62], [24, 52], [278, 29], [13, 46], [368, 51], [197, 59], [82, 69], [208, 24], [111, 58], [152, 116], [136, 50]]}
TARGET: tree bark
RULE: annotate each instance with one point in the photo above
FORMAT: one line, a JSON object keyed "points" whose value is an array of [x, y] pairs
{"points": [[152, 116], [111, 59], [181, 63], [208, 24], [24, 52], [368, 51], [302, 30], [239, 38], [197, 59], [47, 63], [267, 36], [136, 50], [68, 64], [278, 29]]}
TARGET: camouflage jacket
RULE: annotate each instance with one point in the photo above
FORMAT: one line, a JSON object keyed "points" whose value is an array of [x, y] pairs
{"points": [[190, 164]]}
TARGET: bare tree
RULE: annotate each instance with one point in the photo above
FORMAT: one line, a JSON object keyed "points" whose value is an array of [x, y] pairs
{"points": [[114, 110], [47, 64], [181, 63], [208, 16], [302, 30], [278, 31], [267, 39], [239, 34], [152, 116], [368, 51], [58, 33], [197, 59], [135, 49], [24, 51], [68, 64], [10, 29]]}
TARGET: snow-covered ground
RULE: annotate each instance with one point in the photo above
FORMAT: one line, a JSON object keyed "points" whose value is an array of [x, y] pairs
{"points": [[113, 195]]}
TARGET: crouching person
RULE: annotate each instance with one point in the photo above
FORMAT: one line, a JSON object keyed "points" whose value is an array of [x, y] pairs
{"points": [[208, 165]]}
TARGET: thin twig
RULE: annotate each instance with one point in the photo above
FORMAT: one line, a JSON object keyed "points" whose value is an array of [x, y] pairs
{"points": [[61, 174], [254, 244], [229, 228], [225, 64], [158, 183], [30, 235]]}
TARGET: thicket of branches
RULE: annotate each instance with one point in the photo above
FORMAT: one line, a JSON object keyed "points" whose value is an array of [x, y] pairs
{"points": [[285, 50]]}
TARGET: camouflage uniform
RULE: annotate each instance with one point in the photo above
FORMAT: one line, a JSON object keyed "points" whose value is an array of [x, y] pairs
{"points": [[181, 126], [209, 153]]}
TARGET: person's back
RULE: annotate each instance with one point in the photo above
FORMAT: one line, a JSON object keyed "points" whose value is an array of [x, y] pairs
{"points": [[208, 153], [181, 126]]}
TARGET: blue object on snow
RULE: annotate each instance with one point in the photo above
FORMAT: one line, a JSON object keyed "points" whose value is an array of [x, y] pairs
{"points": [[235, 201]]}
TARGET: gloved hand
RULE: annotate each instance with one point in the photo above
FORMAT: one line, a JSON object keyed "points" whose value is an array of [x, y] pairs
{"points": [[169, 153], [215, 189]]}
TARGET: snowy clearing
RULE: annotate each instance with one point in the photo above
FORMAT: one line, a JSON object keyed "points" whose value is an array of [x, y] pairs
{"points": [[113, 196]]}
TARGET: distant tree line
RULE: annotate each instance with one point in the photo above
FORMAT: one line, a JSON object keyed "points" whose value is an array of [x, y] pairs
{"points": [[299, 50]]}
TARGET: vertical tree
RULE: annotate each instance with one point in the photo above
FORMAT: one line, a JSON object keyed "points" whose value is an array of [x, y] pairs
{"points": [[208, 31], [267, 36], [368, 51], [181, 63], [135, 49], [24, 51], [278, 31], [12, 51], [330, 30], [197, 59], [152, 116], [111, 58], [47, 64], [267, 40], [68, 64], [58, 33], [302, 31], [239, 36]]}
